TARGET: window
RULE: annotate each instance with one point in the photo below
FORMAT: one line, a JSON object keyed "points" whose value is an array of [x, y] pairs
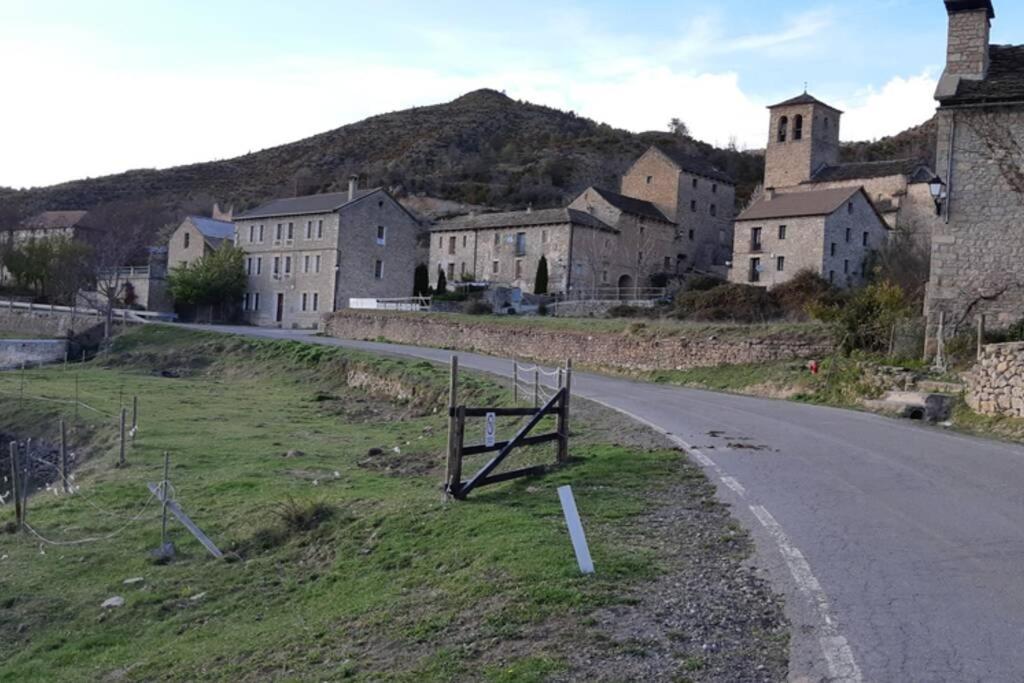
{"points": [[782, 232], [291, 231], [690, 234], [440, 242], [693, 206], [280, 231], [714, 188], [252, 238], [378, 269], [693, 183], [520, 244], [316, 263], [649, 179], [256, 301], [287, 265], [849, 235], [248, 266], [519, 269], [780, 263], [846, 266], [316, 301], [188, 238], [831, 276], [305, 300], [495, 267], [604, 276], [451, 244], [543, 236], [639, 257], [309, 230], [832, 249], [261, 233], [462, 269], [464, 241], [798, 127], [259, 265], [849, 208], [755, 270], [714, 210], [245, 302], [319, 230], [451, 271], [826, 123], [382, 234], [277, 265], [865, 240], [755, 239], [668, 263], [305, 263], [783, 128]]}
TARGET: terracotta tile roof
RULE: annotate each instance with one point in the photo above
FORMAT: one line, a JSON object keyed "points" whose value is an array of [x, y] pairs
{"points": [[1004, 83], [696, 165], [632, 205], [799, 204], [913, 169], [523, 219]]}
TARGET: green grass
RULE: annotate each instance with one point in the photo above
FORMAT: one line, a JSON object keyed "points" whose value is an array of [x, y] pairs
{"points": [[657, 327], [386, 582]]}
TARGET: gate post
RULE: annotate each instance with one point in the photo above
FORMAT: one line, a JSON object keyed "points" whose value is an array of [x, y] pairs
{"points": [[453, 394], [563, 415]]}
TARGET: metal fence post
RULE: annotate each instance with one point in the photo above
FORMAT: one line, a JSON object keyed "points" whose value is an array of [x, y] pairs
{"points": [[15, 483], [163, 496], [563, 415], [121, 460], [64, 455], [453, 396]]}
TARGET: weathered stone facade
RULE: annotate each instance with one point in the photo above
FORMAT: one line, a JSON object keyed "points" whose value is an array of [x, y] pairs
{"points": [[700, 199], [310, 255], [647, 350], [803, 137], [978, 247], [995, 386], [15, 352]]}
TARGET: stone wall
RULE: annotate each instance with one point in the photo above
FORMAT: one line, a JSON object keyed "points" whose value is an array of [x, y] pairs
{"points": [[995, 386], [646, 349], [33, 324], [14, 352]]}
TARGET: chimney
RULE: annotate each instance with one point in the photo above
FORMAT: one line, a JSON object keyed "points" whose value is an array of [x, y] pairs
{"points": [[967, 51], [353, 183], [529, 208], [769, 194]]}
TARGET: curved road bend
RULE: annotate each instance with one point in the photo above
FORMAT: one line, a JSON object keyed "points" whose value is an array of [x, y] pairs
{"points": [[899, 548]]}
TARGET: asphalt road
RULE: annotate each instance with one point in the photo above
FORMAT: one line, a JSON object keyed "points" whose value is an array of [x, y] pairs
{"points": [[899, 547]]}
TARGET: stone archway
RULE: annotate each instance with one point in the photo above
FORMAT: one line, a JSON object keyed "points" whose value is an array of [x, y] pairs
{"points": [[625, 287]]}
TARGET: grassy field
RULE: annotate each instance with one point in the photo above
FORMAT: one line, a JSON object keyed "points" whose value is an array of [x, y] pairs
{"points": [[342, 564]]}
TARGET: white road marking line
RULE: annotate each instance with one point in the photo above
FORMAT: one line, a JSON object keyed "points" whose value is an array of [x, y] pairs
{"points": [[735, 486], [838, 655]]}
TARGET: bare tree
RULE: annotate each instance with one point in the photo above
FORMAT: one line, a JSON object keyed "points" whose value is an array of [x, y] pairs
{"points": [[677, 126]]}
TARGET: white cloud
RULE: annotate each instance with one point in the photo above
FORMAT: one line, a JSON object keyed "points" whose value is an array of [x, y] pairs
{"points": [[900, 104]]}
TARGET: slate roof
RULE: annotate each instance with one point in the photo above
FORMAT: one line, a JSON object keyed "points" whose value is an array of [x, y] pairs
{"points": [[803, 99], [297, 206], [799, 204], [523, 219], [213, 228], [1004, 83], [56, 220], [632, 205], [915, 170], [963, 5], [697, 166]]}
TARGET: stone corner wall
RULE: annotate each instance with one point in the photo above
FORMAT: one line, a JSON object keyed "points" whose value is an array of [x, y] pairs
{"points": [[995, 386], [652, 350]]}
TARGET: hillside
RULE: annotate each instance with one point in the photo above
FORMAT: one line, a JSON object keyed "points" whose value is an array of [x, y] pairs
{"points": [[483, 148]]}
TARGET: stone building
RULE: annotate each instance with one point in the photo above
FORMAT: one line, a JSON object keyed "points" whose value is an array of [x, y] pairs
{"points": [[307, 256], [830, 232], [196, 237], [604, 240], [803, 155], [698, 197], [49, 224], [978, 247]]}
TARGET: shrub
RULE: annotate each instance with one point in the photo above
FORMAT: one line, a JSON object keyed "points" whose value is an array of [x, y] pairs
{"points": [[630, 312], [442, 282], [804, 291], [702, 283], [477, 307], [421, 281], [728, 302], [302, 516], [866, 318]]}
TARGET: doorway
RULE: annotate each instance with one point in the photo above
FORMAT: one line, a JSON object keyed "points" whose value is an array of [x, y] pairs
{"points": [[279, 315]]}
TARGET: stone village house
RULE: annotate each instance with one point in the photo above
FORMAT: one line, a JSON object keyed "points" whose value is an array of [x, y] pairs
{"points": [[674, 215], [74, 225], [978, 248], [819, 214], [196, 237], [307, 256]]}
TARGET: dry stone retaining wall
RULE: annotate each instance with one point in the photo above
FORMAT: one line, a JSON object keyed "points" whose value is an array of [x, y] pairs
{"points": [[996, 384], [644, 351]]}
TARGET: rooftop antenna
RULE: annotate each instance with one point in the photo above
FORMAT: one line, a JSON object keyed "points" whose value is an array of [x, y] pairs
{"points": [[805, 87]]}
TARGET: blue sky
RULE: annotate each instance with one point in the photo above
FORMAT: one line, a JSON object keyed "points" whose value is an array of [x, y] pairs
{"points": [[105, 86]]}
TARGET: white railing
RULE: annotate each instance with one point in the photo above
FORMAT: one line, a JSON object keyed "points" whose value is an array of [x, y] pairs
{"points": [[125, 272], [414, 303], [121, 314]]}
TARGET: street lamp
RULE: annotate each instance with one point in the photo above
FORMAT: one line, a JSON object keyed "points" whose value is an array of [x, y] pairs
{"points": [[938, 191]]}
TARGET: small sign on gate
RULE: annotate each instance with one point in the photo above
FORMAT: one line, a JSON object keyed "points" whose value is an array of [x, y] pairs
{"points": [[490, 429]]}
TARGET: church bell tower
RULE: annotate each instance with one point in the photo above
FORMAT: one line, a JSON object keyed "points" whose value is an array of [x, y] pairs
{"points": [[803, 137]]}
